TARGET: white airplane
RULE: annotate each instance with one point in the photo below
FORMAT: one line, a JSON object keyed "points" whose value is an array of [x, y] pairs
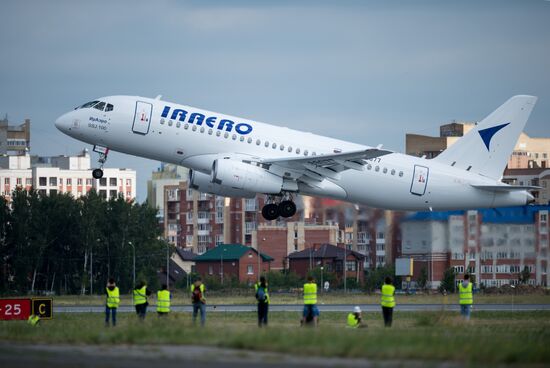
{"points": [[236, 157]]}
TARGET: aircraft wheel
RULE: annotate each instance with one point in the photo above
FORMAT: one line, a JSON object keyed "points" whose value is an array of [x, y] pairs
{"points": [[270, 211], [287, 209], [97, 173]]}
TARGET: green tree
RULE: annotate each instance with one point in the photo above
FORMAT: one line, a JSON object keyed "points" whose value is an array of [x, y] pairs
{"points": [[422, 280], [524, 275], [374, 278], [448, 284]]}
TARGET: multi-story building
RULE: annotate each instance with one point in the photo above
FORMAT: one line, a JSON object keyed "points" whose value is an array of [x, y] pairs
{"points": [[63, 174], [166, 175], [494, 245], [539, 177], [281, 239], [15, 139], [423, 145], [530, 153], [372, 232]]}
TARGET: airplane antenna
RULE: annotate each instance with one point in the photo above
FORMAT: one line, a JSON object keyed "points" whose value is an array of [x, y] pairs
{"points": [[158, 97]]}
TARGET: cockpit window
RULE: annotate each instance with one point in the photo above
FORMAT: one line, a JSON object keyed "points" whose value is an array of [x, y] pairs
{"points": [[109, 107], [88, 104], [100, 106]]}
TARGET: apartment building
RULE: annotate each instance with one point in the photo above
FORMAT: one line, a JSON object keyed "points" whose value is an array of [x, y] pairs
{"points": [[15, 139], [494, 245], [63, 174]]}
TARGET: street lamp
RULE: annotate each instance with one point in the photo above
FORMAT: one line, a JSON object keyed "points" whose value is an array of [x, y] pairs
{"points": [[221, 264], [134, 258], [167, 264], [322, 284], [259, 260]]}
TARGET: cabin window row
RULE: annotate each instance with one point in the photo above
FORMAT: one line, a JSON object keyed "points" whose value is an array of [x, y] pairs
{"points": [[241, 138], [384, 170]]}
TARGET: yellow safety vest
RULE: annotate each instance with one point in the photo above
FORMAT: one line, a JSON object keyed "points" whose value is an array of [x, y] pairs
{"points": [[310, 293], [352, 321], [201, 288], [163, 301], [388, 299], [113, 298], [465, 294], [256, 286], [33, 320], [140, 296]]}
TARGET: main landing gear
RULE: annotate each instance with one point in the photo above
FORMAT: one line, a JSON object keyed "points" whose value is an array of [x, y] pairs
{"points": [[285, 208], [103, 152]]}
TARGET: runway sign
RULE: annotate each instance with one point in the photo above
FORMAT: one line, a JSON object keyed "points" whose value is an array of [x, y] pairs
{"points": [[14, 309], [42, 307]]}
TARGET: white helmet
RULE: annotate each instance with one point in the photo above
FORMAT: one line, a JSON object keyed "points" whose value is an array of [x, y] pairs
{"points": [[357, 309]]}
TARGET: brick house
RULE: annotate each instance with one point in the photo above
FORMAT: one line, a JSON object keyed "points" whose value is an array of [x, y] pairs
{"points": [[331, 258], [237, 260]]}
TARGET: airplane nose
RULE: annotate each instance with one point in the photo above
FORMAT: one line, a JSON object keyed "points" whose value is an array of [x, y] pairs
{"points": [[62, 123]]}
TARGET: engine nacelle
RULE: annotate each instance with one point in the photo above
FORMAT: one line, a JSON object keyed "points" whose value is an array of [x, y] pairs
{"points": [[202, 183], [243, 176]]}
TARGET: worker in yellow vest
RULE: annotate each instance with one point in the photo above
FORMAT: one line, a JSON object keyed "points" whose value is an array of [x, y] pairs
{"points": [[262, 296], [112, 302], [198, 300], [355, 319], [466, 297], [140, 299], [387, 301], [163, 301], [311, 312]]}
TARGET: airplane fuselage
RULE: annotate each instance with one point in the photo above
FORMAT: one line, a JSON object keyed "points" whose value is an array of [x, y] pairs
{"points": [[194, 138]]}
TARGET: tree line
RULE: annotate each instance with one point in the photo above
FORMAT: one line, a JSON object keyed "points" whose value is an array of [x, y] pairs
{"points": [[59, 244]]}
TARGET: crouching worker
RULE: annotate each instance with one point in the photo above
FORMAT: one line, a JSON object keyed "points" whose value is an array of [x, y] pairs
{"points": [[33, 320], [355, 320], [112, 302]]}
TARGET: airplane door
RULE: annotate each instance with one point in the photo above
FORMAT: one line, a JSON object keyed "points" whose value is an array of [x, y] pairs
{"points": [[420, 180], [142, 117]]}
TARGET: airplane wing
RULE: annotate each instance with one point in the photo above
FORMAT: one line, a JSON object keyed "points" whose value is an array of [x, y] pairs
{"points": [[327, 166]]}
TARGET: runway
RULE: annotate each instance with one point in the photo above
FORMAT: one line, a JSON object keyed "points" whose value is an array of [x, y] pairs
{"points": [[240, 308]]}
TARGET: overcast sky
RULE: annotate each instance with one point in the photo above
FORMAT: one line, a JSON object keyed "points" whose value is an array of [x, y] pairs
{"points": [[365, 71]]}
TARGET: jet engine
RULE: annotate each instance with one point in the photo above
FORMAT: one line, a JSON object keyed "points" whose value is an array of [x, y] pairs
{"points": [[239, 175], [202, 183]]}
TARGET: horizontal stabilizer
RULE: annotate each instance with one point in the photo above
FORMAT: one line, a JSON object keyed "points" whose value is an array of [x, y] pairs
{"points": [[505, 188]]}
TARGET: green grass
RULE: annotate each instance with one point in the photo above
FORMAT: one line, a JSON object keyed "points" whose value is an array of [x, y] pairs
{"points": [[217, 298], [489, 338]]}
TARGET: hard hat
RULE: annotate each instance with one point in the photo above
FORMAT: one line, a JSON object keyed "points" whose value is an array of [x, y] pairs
{"points": [[357, 309]]}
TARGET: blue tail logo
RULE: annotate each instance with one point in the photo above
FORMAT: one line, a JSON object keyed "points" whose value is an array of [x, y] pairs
{"points": [[488, 133]]}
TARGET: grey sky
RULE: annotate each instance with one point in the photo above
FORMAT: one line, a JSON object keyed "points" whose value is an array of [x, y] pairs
{"points": [[363, 71]]}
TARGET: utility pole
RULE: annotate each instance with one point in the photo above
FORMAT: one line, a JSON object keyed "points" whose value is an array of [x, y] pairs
{"points": [[167, 264], [345, 269], [91, 270], [134, 258]]}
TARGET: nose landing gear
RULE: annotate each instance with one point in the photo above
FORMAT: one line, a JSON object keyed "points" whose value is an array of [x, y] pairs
{"points": [[103, 152], [272, 210]]}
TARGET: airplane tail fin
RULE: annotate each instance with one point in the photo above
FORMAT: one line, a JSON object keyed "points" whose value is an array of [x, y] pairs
{"points": [[487, 147]]}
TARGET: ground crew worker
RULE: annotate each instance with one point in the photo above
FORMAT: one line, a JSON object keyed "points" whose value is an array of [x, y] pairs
{"points": [[112, 302], [355, 319], [311, 312], [198, 300], [163, 301], [262, 296], [33, 320], [466, 297], [140, 299], [388, 301]]}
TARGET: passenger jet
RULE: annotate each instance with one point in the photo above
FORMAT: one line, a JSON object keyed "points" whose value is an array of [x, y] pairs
{"points": [[236, 157]]}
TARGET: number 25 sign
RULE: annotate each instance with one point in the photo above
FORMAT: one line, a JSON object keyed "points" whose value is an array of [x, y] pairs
{"points": [[15, 309]]}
